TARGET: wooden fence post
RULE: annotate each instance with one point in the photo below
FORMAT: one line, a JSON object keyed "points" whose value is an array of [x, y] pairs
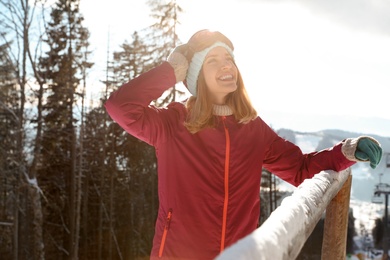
{"points": [[334, 242]]}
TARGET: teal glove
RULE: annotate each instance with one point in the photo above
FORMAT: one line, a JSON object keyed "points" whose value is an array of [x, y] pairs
{"points": [[369, 150]]}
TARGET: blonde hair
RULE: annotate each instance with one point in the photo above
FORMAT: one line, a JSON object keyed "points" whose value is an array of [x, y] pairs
{"points": [[200, 108]]}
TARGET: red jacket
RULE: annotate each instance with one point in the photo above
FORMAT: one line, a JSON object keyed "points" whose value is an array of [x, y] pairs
{"points": [[208, 182]]}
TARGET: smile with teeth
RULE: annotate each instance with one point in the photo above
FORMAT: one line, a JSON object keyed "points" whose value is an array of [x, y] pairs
{"points": [[226, 77]]}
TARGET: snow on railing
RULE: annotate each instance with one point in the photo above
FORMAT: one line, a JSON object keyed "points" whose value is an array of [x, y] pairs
{"points": [[284, 233]]}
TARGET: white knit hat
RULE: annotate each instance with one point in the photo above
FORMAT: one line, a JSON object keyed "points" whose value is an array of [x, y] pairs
{"points": [[196, 65]]}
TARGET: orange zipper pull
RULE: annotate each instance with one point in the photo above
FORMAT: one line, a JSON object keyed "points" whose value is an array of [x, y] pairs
{"points": [[169, 217], [164, 236]]}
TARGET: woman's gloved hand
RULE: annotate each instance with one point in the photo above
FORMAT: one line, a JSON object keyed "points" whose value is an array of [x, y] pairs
{"points": [[363, 149], [369, 150], [179, 62]]}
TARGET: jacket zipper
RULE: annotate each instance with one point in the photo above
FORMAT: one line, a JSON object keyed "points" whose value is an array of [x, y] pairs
{"points": [[226, 185], [164, 236]]}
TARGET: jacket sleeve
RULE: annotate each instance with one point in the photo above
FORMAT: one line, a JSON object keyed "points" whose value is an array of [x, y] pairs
{"points": [[129, 106], [287, 161]]}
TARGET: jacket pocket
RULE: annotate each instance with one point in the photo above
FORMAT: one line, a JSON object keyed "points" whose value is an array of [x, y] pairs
{"points": [[165, 233]]}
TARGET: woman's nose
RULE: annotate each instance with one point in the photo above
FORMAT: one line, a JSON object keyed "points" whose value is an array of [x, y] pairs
{"points": [[227, 64]]}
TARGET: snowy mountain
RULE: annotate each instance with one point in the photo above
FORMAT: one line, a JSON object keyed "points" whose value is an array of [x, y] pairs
{"points": [[364, 178]]}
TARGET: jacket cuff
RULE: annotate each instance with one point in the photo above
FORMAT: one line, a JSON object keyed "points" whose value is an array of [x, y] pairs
{"points": [[349, 147]]}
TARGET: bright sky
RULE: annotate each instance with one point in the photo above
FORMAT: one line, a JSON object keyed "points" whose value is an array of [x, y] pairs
{"points": [[307, 65]]}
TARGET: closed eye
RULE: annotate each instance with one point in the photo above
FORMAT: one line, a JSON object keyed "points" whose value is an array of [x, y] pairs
{"points": [[211, 60]]}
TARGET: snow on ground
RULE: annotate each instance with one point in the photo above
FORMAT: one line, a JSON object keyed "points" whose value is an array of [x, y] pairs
{"points": [[365, 214]]}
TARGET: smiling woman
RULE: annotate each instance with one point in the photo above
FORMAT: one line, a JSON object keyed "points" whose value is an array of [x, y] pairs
{"points": [[210, 199]]}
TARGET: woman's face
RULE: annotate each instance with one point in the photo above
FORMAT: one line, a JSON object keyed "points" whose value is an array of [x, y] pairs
{"points": [[220, 74]]}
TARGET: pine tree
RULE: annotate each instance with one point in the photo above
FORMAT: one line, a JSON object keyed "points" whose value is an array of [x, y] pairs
{"points": [[163, 35], [131, 60], [8, 149], [378, 232], [127, 176], [62, 70]]}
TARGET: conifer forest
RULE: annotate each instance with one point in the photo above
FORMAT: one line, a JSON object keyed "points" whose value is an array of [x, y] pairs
{"points": [[73, 184]]}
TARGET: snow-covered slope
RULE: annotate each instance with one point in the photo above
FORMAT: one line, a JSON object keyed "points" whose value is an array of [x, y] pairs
{"points": [[364, 178]]}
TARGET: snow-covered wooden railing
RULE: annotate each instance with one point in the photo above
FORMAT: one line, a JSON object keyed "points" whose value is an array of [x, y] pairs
{"points": [[284, 233]]}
